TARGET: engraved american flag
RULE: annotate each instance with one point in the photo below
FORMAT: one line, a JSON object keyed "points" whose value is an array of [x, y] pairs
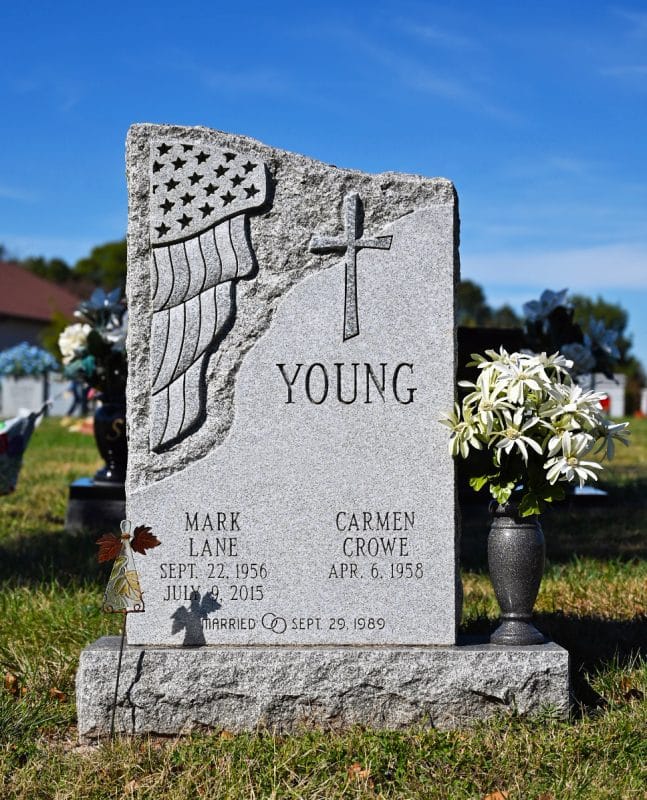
{"points": [[200, 197]]}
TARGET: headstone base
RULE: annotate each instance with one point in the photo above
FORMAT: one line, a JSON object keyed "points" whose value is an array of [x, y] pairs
{"points": [[95, 506], [169, 691]]}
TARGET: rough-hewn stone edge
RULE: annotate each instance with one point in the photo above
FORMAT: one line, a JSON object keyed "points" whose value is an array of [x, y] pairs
{"points": [[169, 691]]}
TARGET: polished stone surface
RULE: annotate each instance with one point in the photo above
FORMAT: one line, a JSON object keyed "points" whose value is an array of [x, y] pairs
{"points": [[284, 442]]}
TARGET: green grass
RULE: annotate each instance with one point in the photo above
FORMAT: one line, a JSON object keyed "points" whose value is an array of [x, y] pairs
{"points": [[593, 600]]}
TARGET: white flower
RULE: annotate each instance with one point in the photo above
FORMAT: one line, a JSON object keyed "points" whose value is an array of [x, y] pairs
{"points": [[570, 399], [73, 339], [537, 310], [570, 465], [513, 432], [526, 375], [487, 398], [464, 432], [557, 361]]}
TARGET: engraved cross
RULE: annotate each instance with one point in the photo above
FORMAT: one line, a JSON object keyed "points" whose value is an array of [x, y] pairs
{"points": [[349, 243]]}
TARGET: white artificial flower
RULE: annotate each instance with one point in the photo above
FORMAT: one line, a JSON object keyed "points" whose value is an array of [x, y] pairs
{"points": [[570, 466], [562, 441], [464, 432], [557, 361], [523, 376], [72, 340], [581, 356], [486, 400], [512, 435], [571, 399]]}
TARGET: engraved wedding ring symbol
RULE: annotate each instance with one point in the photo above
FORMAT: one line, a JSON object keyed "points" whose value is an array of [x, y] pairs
{"points": [[273, 623]]}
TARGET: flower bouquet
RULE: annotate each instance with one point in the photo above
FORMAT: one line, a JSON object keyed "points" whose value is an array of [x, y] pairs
{"points": [[525, 427], [27, 360], [526, 430], [94, 350]]}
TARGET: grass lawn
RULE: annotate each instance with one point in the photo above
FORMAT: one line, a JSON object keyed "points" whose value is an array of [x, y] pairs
{"points": [[593, 601]]}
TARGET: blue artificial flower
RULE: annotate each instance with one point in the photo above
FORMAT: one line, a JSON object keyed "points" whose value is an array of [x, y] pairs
{"points": [[25, 359]]}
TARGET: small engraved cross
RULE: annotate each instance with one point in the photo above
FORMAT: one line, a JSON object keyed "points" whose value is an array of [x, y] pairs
{"points": [[349, 243]]}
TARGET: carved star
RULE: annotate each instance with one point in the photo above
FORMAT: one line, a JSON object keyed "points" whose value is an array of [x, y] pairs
{"points": [[163, 149], [230, 156], [167, 205], [220, 170], [227, 198], [210, 189], [184, 220], [237, 180], [170, 185], [187, 147], [202, 157], [251, 191], [154, 188], [178, 163], [248, 167], [157, 166], [186, 198], [195, 178], [206, 210], [162, 229]]}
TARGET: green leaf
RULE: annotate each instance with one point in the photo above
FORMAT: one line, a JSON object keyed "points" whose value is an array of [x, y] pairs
{"points": [[502, 492], [530, 505], [478, 482]]}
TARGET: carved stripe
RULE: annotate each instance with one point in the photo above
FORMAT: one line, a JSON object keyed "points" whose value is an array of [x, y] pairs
{"points": [[173, 348], [192, 390], [208, 320], [177, 400], [212, 259], [241, 246], [164, 287], [159, 415], [226, 251], [158, 343], [190, 336], [196, 267], [180, 274]]}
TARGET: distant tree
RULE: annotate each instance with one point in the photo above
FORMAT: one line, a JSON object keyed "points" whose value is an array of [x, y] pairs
{"points": [[105, 266], [55, 269], [505, 317], [615, 317], [474, 311], [472, 307]]}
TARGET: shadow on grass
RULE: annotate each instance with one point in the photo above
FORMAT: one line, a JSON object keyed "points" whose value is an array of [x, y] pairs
{"points": [[607, 528], [56, 555], [593, 643]]}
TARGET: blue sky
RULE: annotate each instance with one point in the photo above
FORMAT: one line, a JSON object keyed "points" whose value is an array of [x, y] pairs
{"points": [[536, 111]]}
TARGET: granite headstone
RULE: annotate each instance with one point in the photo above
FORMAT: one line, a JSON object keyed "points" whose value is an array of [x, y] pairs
{"points": [[291, 350]]}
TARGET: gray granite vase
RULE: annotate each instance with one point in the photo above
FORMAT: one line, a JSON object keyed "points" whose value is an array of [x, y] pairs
{"points": [[516, 551]]}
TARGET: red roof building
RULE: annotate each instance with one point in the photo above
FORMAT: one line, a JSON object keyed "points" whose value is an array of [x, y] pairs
{"points": [[27, 304]]}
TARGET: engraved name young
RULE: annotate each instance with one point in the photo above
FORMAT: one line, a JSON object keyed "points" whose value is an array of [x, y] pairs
{"points": [[292, 349]]}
